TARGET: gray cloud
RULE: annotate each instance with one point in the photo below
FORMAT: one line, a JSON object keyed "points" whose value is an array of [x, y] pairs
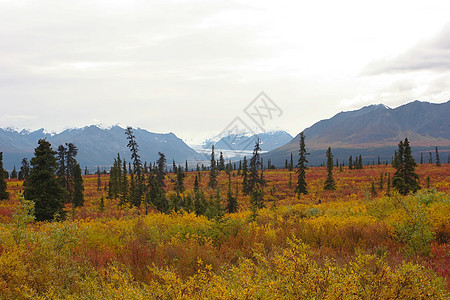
{"points": [[428, 55]]}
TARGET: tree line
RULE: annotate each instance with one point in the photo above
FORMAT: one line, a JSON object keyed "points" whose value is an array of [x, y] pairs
{"points": [[54, 178]]}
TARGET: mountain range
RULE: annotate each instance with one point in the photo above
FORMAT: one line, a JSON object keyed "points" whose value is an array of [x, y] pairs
{"points": [[374, 131], [244, 141], [96, 146]]}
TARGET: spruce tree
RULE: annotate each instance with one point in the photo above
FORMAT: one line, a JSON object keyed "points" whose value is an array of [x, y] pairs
{"points": [[255, 181], [350, 163], [71, 162], [255, 161], [373, 191], [160, 174], [330, 185], [179, 187], [221, 166], [388, 188], [136, 184], [61, 172], [232, 204], [78, 188], [421, 158], [4, 195], [24, 169], [291, 165], [438, 160], [212, 171], [405, 179], [244, 173], [301, 187], [99, 179], [124, 189], [14, 173], [157, 196], [42, 186]]}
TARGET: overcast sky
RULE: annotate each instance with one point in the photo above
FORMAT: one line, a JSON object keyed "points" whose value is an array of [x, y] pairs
{"points": [[192, 67]]}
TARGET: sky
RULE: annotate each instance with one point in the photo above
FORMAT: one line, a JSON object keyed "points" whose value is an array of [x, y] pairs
{"points": [[195, 67]]}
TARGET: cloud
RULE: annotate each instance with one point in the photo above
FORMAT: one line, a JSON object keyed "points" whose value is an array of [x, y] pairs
{"points": [[427, 55]]}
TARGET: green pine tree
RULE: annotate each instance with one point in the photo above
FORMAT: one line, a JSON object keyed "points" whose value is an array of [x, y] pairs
{"points": [[78, 188], [301, 187], [405, 179], [4, 195], [42, 186], [212, 171], [232, 204], [330, 185], [438, 160]]}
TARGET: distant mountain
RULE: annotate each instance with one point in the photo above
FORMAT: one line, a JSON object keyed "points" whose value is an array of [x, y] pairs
{"points": [[244, 141], [96, 146], [374, 131]]}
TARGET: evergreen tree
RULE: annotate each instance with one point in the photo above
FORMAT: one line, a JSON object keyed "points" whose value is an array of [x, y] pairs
{"points": [[115, 178], [221, 166], [438, 161], [199, 202], [14, 173], [329, 182], [388, 189], [61, 172], [101, 206], [405, 179], [136, 184], [42, 186], [156, 195], [232, 204], [291, 165], [99, 179], [161, 169], [71, 162], [350, 163], [4, 195], [212, 171], [244, 173], [360, 163], [174, 167], [78, 188], [179, 187], [286, 164], [421, 158], [255, 182], [430, 158], [124, 188], [24, 169], [255, 161], [186, 167], [301, 187], [373, 191]]}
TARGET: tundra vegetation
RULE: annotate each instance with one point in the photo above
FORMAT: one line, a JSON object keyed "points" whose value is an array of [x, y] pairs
{"points": [[234, 233]]}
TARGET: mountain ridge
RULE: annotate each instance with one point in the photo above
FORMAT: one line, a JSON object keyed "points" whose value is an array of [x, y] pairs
{"points": [[374, 127], [96, 146]]}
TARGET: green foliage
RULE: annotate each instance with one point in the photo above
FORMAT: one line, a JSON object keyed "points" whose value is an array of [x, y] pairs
{"points": [[301, 187], [3, 193], [212, 171], [42, 186], [329, 185], [405, 179], [78, 188]]}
